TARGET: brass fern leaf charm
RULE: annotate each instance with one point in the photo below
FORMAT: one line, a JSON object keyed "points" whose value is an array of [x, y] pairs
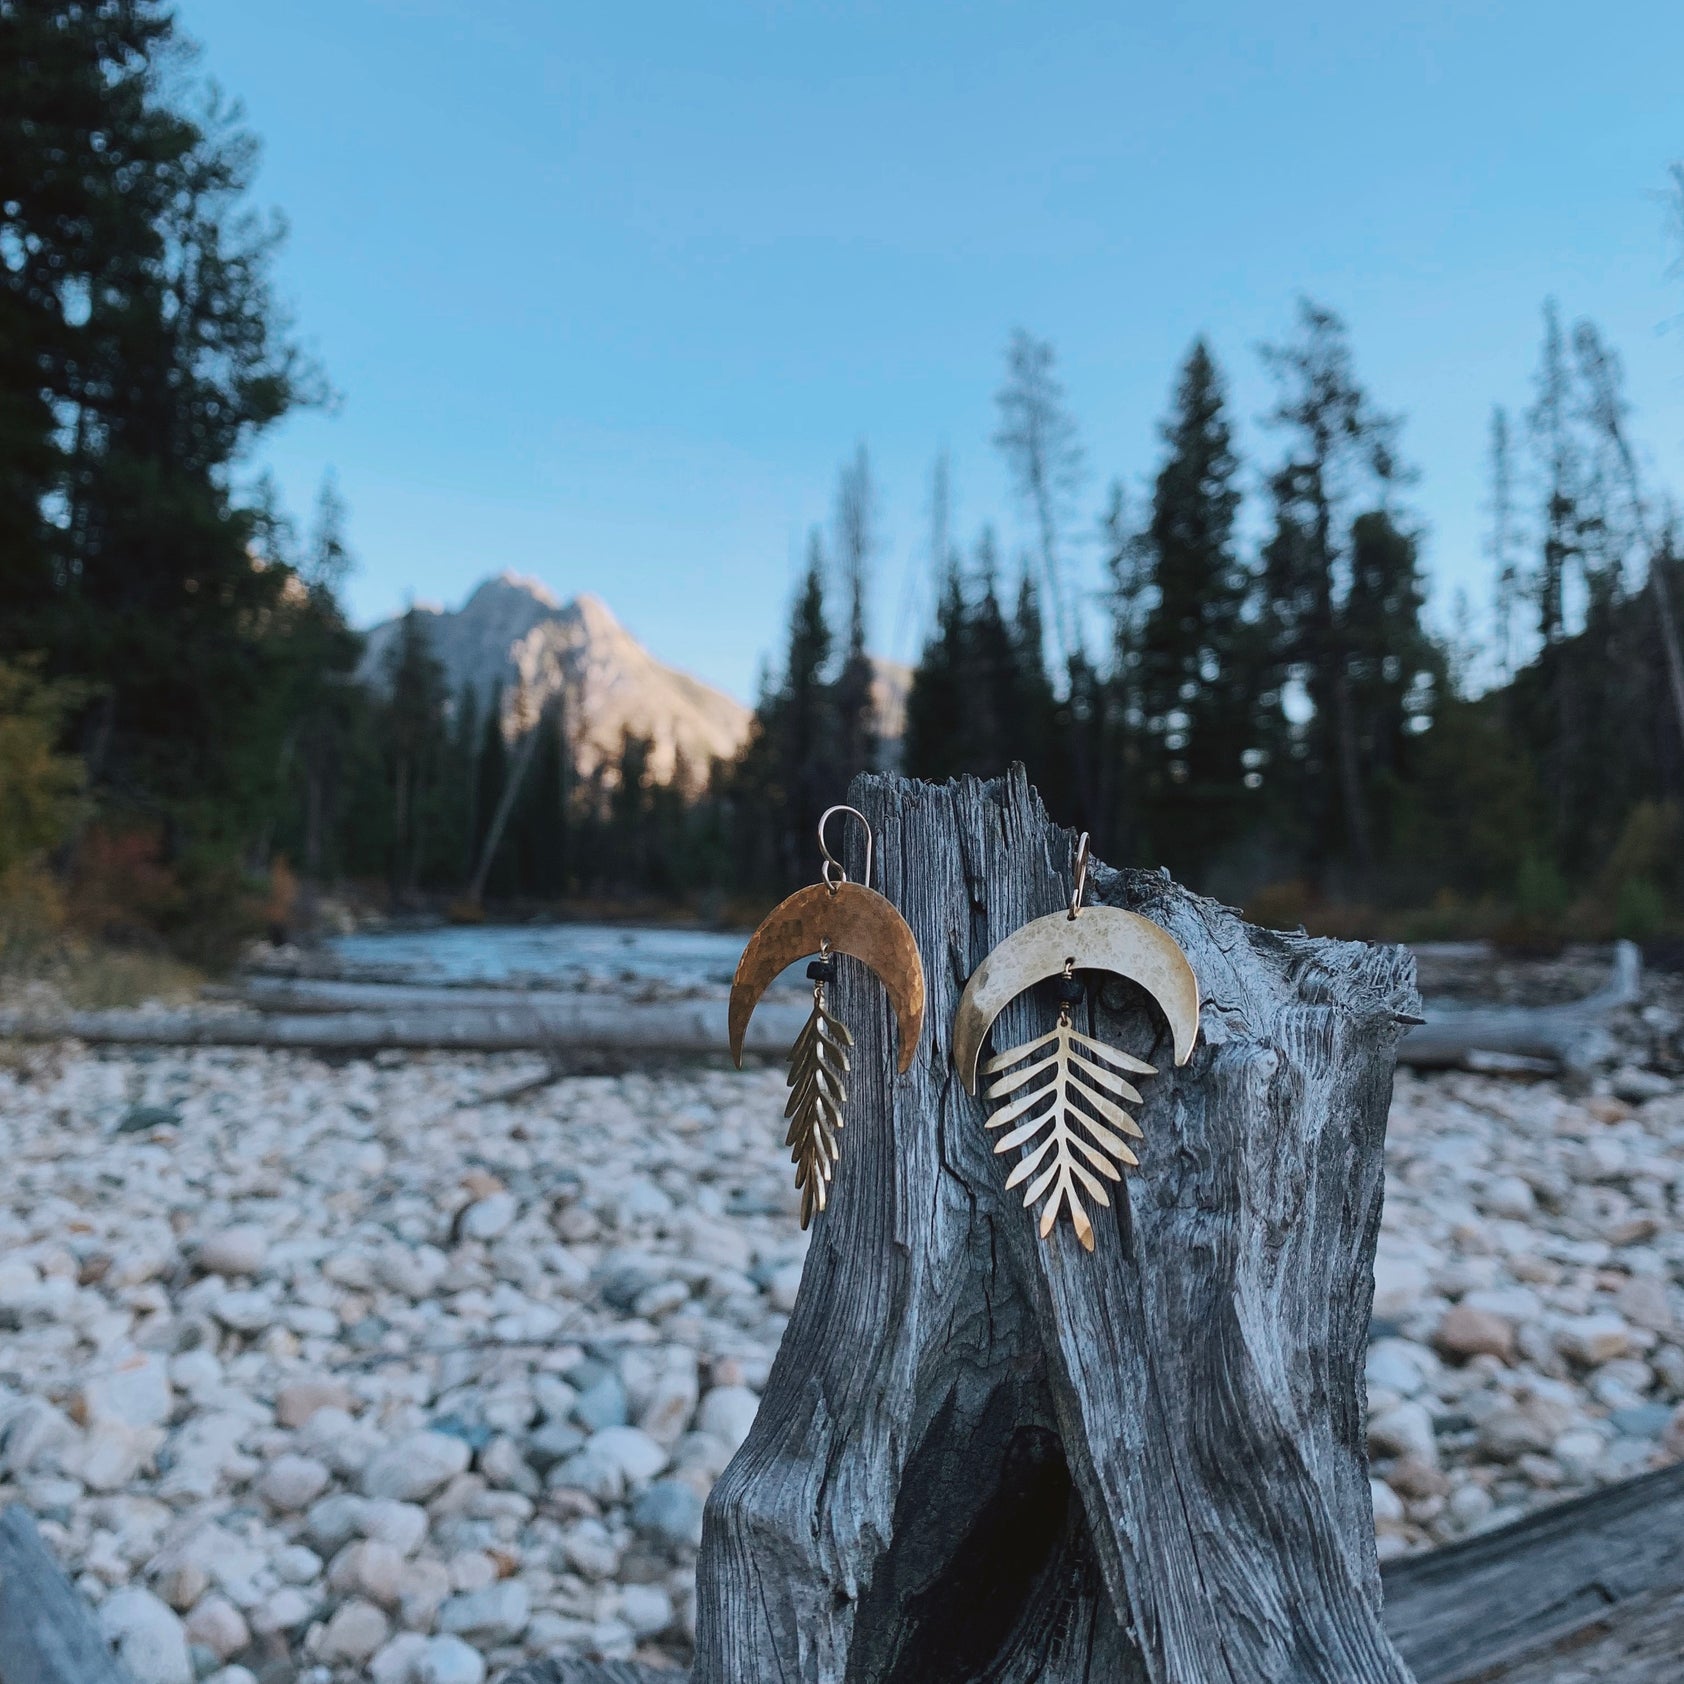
{"points": [[818, 1069], [1076, 1114]]}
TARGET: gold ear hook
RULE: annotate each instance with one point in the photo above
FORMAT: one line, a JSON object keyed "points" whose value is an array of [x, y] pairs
{"points": [[831, 863], [1081, 875]]}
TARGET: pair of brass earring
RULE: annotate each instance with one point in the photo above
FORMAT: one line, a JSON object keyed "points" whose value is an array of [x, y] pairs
{"points": [[1070, 1127]]}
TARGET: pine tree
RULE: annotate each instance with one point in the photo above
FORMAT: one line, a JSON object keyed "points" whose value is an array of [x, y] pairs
{"points": [[1395, 672], [806, 726], [491, 775], [1506, 584], [1339, 449], [415, 739], [141, 352], [935, 702], [1196, 714]]}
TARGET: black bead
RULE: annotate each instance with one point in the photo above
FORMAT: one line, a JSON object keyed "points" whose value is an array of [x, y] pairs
{"points": [[821, 970], [1071, 991]]}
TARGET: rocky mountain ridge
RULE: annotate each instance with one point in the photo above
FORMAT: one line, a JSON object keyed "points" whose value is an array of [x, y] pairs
{"points": [[515, 641]]}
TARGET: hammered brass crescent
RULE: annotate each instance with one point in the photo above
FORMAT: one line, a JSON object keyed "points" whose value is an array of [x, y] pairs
{"points": [[1098, 938], [855, 920]]}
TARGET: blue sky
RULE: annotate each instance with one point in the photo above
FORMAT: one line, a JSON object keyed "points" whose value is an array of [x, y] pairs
{"points": [[610, 291]]}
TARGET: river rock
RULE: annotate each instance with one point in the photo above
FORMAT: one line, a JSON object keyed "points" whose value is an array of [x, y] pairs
{"points": [[669, 1513], [298, 1400], [1406, 1429], [135, 1392], [148, 1636], [1594, 1339], [240, 1250], [415, 1467], [1467, 1331], [293, 1483], [638, 1457], [216, 1624], [448, 1660], [497, 1613], [356, 1630], [727, 1413]]}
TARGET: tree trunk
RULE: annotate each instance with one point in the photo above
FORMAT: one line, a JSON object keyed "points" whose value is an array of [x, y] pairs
{"points": [[982, 1457]]}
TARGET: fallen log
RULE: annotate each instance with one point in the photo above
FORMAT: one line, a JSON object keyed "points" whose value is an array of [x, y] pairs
{"points": [[1573, 1036], [47, 1632], [980, 1456], [569, 1023], [1590, 1589], [294, 996]]}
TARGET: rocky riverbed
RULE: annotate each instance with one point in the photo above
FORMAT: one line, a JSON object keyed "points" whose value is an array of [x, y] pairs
{"points": [[332, 1373]]}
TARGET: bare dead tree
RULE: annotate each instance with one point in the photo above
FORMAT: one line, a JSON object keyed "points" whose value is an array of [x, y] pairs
{"points": [[1506, 591], [1599, 368], [1038, 438]]}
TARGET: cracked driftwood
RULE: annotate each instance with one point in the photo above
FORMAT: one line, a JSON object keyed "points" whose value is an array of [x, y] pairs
{"points": [[482, 1022], [1526, 1039], [982, 1457]]}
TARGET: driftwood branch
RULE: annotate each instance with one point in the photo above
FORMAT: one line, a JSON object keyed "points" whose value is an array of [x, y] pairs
{"points": [[569, 1022], [979, 1456], [1569, 1037], [47, 1632], [1589, 1589]]}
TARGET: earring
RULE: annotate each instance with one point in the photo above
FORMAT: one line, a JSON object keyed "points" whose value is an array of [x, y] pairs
{"points": [[1078, 1108], [827, 918]]}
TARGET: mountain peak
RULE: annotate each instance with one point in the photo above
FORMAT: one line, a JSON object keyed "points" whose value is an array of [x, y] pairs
{"points": [[510, 583], [514, 638]]}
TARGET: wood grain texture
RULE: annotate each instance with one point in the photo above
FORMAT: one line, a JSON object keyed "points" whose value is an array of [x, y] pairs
{"points": [[981, 1457], [1590, 1591], [567, 1023], [47, 1632], [1597, 1582]]}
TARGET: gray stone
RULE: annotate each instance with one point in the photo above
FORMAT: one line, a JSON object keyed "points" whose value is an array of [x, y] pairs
{"points": [[495, 1614], [335, 1520], [291, 1483], [415, 1467], [217, 1625], [399, 1661], [598, 1477], [669, 1513], [355, 1632], [647, 1609], [142, 1119], [552, 1443], [602, 1404], [1405, 1430], [135, 1392], [727, 1413], [240, 1250], [448, 1660], [638, 1457], [489, 1217], [148, 1636]]}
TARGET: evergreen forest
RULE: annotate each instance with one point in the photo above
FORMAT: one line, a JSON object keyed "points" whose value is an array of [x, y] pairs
{"points": [[1256, 699]]}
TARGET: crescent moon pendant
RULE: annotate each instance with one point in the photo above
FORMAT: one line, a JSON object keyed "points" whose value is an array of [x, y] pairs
{"points": [[855, 920], [1099, 938]]}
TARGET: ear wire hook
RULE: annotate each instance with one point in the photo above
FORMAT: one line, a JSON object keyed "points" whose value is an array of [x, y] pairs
{"points": [[1081, 875], [831, 862]]}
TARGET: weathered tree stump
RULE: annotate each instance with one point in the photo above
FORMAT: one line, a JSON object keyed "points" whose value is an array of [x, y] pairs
{"points": [[47, 1632], [984, 1457]]}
